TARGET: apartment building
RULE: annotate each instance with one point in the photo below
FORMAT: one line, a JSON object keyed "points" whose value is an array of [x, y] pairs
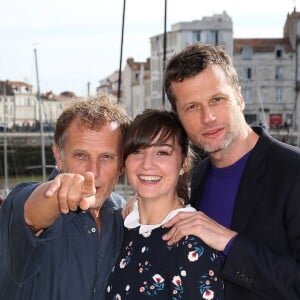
{"points": [[110, 84], [268, 70], [136, 86], [269, 75], [18, 104], [141, 85], [216, 30], [135, 89], [21, 110]]}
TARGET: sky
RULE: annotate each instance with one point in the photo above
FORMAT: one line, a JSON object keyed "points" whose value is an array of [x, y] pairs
{"points": [[77, 43]]}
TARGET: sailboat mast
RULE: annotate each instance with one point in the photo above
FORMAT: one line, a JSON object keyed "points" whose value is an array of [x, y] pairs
{"points": [[41, 119], [5, 123]]}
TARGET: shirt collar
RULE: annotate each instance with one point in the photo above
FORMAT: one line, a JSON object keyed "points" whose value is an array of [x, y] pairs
{"points": [[132, 220]]}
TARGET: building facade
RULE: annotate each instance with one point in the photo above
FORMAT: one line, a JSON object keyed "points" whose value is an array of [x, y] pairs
{"points": [[136, 86], [268, 69], [110, 84], [21, 110], [18, 104], [215, 30], [135, 91]]}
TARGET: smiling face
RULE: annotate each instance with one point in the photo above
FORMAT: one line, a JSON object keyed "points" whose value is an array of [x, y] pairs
{"points": [[153, 171], [96, 151], [210, 109]]}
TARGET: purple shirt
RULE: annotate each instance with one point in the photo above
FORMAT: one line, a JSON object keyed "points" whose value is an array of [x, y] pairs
{"points": [[220, 188]]}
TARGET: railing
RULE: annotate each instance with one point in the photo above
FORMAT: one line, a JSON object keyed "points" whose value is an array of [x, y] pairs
{"points": [[26, 138]]}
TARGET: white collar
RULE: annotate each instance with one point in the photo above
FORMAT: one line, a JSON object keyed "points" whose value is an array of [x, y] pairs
{"points": [[132, 220]]}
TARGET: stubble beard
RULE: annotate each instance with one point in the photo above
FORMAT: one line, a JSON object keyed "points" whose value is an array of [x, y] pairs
{"points": [[226, 143]]}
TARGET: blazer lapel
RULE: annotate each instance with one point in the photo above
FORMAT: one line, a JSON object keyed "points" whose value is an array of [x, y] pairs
{"points": [[198, 180], [251, 185]]}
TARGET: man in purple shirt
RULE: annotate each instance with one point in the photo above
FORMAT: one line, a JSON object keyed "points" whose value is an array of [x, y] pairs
{"points": [[247, 189]]}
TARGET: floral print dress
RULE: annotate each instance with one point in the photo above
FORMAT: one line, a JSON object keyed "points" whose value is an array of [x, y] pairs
{"points": [[148, 268]]}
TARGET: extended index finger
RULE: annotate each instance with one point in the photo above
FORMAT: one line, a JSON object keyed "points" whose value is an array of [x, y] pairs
{"points": [[88, 187]]}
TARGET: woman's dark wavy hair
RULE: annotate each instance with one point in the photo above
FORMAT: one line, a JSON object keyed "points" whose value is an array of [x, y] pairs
{"points": [[153, 123]]}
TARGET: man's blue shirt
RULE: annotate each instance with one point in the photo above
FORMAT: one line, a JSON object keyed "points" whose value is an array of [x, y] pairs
{"points": [[70, 260]]}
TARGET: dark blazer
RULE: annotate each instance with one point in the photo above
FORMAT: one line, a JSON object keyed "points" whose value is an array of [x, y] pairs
{"points": [[264, 259]]}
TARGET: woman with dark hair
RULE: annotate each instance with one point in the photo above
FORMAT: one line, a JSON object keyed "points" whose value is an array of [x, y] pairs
{"points": [[157, 160]]}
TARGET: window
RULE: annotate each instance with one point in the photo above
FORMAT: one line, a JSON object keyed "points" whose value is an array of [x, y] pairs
{"points": [[278, 53], [278, 73], [247, 72], [288, 120], [279, 94], [247, 52], [196, 36], [212, 37], [20, 101]]}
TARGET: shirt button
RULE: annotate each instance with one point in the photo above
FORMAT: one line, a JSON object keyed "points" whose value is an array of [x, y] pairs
{"points": [[93, 229], [94, 290]]}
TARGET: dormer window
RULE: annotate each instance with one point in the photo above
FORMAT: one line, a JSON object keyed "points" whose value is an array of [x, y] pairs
{"points": [[247, 52], [278, 53]]}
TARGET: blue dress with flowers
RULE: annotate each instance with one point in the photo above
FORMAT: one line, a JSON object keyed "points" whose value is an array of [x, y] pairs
{"points": [[148, 268]]}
